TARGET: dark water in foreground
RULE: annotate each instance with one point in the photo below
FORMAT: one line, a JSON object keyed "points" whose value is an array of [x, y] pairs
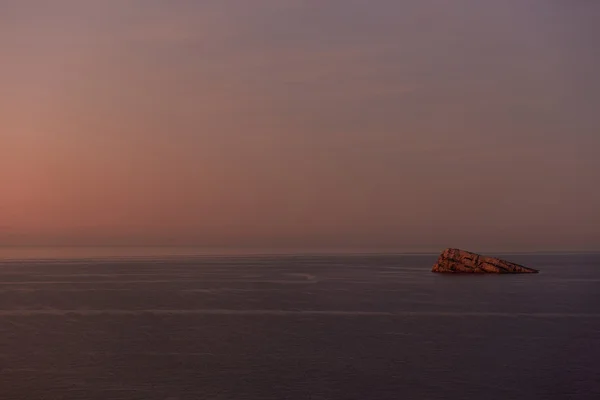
{"points": [[298, 327]]}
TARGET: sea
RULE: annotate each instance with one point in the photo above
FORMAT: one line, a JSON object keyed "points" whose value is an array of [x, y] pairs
{"points": [[295, 326]]}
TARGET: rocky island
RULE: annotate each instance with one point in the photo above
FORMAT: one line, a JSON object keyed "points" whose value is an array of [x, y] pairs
{"points": [[460, 261]]}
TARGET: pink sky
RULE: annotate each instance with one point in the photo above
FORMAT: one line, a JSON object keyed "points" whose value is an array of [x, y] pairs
{"points": [[417, 124]]}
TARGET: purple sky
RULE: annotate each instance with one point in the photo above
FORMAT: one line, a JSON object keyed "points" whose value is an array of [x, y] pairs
{"points": [[319, 123]]}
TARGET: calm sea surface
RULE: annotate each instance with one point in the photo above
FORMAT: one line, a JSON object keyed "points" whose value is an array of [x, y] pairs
{"points": [[297, 327]]}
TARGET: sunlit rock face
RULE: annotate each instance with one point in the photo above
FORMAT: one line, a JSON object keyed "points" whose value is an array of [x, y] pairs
{"points": [[460, 261]]}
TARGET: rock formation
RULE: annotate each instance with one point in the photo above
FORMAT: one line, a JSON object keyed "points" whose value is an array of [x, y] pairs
{"points": [[460, 261]]}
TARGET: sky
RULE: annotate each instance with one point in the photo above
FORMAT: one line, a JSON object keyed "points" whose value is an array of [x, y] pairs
{"points": [[380, 124]]}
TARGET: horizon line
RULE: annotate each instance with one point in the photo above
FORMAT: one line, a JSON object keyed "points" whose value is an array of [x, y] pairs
{"points": [[265, 251]]}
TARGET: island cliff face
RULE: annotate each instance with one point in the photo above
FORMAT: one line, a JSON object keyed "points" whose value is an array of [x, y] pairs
{"points": [[460, 261]]}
